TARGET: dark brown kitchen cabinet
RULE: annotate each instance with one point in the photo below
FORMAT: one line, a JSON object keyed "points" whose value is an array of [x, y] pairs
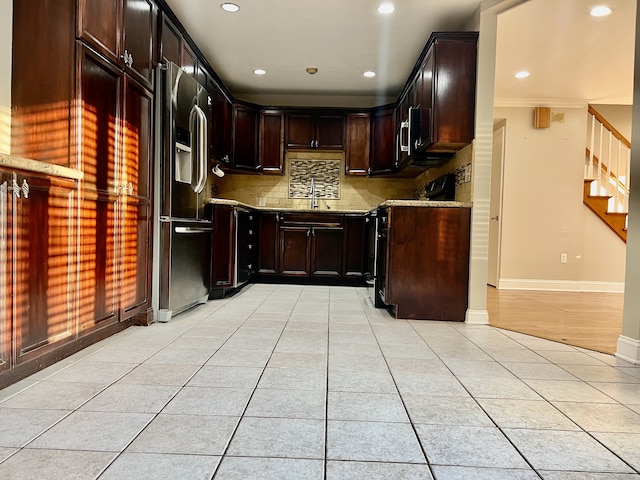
{"points": [[233, 248], [311, 130], [245, 137], [354, 246], [268, 247], [310, 245], [326, 246], [222, 141], [38, 233], [124, 31], [272, 141], [170, 42], [189, 60], [223, 246], [383, 141], [115, 198], [358, 143], [445, 91], [294, 241], [426, 272]]}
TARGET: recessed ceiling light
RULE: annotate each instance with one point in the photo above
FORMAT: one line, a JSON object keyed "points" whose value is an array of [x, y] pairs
{"points": [[230, 7], [522, 74], [600, 11], [259, 71], [369, 74], [386, 8]]}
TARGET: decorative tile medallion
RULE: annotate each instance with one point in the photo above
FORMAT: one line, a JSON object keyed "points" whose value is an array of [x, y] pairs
{"points": [[325, 172]]}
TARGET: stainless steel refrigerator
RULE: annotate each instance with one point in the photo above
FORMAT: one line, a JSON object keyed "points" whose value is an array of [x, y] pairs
{"points": [[182, 234]]}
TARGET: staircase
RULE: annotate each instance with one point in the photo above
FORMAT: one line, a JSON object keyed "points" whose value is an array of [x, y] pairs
{"points": [[606, 175]]}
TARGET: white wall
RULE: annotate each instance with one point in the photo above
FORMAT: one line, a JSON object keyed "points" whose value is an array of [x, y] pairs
{"points": [[543, 214], [620, 116], [6, 19]]}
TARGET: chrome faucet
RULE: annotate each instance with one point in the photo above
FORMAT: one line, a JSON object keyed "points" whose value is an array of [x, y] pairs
{"points": [[312, 191]]}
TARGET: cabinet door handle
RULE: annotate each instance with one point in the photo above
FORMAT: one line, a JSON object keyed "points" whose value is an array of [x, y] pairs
{"points": [[127, 58], [15, 188], [25, 188]]}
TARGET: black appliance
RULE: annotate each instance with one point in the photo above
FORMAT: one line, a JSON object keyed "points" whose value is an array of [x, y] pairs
{"points": [[182, 234], [413, 153], [375, 276], [442, 188]]}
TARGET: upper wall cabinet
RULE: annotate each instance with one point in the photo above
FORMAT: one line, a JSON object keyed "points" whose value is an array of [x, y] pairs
{"points": [[245, 137], [170, 42], [357, 151], [309, 130], [445, 92], [124, 31], [271, 141], [381, 160]]}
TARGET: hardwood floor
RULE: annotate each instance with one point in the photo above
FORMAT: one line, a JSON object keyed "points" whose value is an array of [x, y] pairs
{"points": [[588, 320]]}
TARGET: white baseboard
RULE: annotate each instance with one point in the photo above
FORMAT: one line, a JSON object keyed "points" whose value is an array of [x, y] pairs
{"points": [[477, 317], [628, 349], [560, 285]]}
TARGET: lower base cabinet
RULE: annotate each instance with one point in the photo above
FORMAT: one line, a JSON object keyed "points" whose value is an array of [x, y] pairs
{"points": [[426, 272], [311, 246], [38, 275], [233, 247]]}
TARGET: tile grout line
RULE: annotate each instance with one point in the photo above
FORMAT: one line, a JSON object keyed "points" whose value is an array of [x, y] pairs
{"points": [[255, 387], [545, 400], [404, 405], [533, 469]]}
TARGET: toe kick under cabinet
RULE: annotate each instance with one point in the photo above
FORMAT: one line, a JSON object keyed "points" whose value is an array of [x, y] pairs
{"points": [[425, 262]]}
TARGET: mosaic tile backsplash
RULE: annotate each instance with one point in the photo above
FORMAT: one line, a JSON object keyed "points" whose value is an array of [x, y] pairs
{"points": [[326, 174]]}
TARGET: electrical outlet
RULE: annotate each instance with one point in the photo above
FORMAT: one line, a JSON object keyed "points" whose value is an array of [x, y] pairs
{"points": [[563, 258], [467, 173]]}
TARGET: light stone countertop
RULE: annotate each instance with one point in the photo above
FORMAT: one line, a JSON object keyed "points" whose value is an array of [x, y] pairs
{"points": [[10, 161], [386, 203], [425, 203]]}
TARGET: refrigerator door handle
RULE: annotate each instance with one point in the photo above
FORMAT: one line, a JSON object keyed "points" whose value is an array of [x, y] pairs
{"points": [[193, 229], [198, 128]]}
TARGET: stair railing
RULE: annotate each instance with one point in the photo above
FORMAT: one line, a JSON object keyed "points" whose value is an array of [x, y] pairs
{"points": [[607, 161]]}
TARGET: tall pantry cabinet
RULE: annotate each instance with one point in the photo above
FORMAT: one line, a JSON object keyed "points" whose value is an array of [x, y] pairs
{"points": [[82, 97]]}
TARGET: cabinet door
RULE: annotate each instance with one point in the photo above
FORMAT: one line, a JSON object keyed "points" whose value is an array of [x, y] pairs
{"points": [[383, 137], [98, 100], [189, 61], [43, 265], [357, 153], [454, 92], [139, 38], [330, 132], [326, 251], [268, 243], [222, 129], [355, 242], [171, 42], [272, 141], [100, 25], [294, 251], [245, 137], [133, 237], [223, 247], [426, 108], [299, 130]]}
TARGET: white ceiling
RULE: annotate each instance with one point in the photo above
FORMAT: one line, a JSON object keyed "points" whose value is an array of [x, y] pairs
{"points": [[571, 55]]}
